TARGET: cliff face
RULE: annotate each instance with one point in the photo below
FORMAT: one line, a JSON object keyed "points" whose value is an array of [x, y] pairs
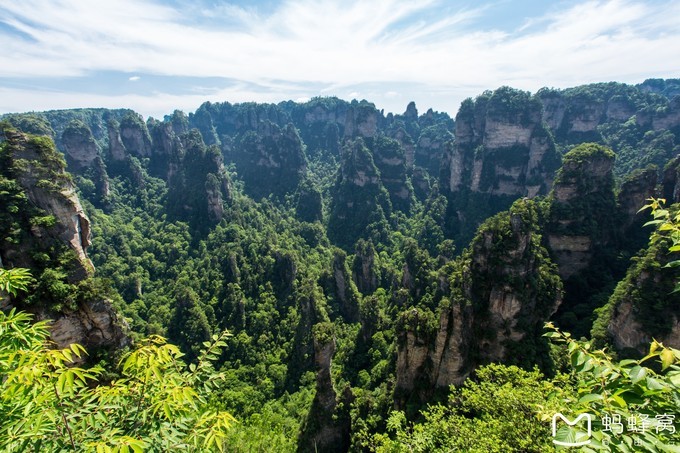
{"points": [[644, 305], [359, 198], [199, 186], [583, 208], [633, 194], [501, 146], [389, 158], [39, 170], [433, 142], [340, 289], [502, 151], [365, 270], [503, 288], [54, 236], [326, 427], [79, 145], [271, 160]]}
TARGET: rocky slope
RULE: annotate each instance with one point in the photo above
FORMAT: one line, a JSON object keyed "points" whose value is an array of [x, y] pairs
{"points": [[46, 230], [502, 151], [583, 207], [499, 294], [643, 307]]}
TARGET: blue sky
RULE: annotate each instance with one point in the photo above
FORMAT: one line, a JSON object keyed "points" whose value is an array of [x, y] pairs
{"points": [[155, 56]]}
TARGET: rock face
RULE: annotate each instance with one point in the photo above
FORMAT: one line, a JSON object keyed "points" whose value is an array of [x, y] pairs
{"points": [[665, 118], [167, 148], [494, 313], [644, 305], [117, 150], [359, 198], [93, 325], [501, 147], [57, 222], [199, 186], [271, 160], [365, 270], [633, 194], [502, 152], [324, 430], [40, 172], [79, 145], [671, 181], [433, 142], [390, 160], [583, 207], [341, 290], [135, 135]]}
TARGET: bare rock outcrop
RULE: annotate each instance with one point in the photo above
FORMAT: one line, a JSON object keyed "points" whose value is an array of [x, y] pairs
{"points": [[40, 172], [583, 209], [502, 151], [326, 428], [504, 289], [502, 147], [58, 231], [644, 305], [79, 145]]}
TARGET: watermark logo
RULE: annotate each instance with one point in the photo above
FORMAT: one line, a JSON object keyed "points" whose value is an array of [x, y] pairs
{"points": [[575, 443]]}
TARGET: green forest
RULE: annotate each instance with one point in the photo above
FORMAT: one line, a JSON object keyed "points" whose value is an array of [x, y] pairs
{"points": [[323, 276]]}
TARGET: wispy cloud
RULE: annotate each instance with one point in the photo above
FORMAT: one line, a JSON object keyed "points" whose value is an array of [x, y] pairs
{"points": [[333, 47]]}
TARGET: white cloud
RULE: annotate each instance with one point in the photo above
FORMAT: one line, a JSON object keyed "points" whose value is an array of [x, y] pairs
{"points": [[340, 45], [134, 78]]}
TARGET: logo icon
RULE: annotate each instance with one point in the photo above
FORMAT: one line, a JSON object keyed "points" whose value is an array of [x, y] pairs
{"points": [[589, 429]]}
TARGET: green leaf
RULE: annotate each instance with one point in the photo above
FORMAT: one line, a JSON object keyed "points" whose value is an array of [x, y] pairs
{"points": [[590, 397], [637, 373], [667, 358]]}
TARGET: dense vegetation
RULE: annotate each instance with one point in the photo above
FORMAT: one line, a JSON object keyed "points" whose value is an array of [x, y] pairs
{"points": [[328, 230]]}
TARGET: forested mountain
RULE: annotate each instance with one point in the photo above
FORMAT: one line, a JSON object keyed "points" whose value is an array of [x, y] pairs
{"points": [[363, 262]]}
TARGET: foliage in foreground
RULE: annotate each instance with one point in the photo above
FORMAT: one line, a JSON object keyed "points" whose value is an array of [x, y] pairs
{"points": [[509, 409], [158, 403]]}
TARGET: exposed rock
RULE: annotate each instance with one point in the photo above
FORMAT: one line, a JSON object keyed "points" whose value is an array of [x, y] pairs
{"points": [[167, 149], [359, 198], [343, 291], [502, 151], [389, 158], [199, 186], [365, 271], [325, 428], [634, 192], [79, 145], [671, 181], [583, 211], [644, 305], [433, 142], [49, 188], [135, 135], [620, 108], [39, 171], [506, 151], [117, 149], [494, 313], [362, 121], [93, 325], [271, 160], [406, 143]]}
